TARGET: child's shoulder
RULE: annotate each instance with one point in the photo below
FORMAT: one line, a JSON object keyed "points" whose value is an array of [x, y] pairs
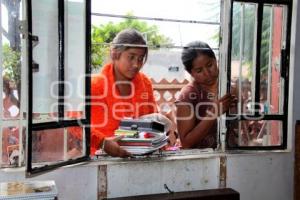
{"points": [[98, 78], [144, 78], [188, 88]]}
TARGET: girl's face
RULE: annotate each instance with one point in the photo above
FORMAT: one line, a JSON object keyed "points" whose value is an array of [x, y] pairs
{"points": [[129, 63], [205, 70]]}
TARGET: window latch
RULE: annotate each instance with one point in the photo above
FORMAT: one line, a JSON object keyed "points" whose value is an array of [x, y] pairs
{"points": [[283, 64], [22, 26], [35, 42]]}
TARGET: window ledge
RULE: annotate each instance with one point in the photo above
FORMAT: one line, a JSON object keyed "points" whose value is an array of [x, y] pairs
{"points": [[189, 154], [182, 155]]}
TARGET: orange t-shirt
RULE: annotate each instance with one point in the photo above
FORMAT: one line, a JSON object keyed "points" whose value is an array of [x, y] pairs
{"points": [[108, 107]]}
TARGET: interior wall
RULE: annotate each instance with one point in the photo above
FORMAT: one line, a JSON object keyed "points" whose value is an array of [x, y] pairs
{"points": [[266, 176], [73, 183]]}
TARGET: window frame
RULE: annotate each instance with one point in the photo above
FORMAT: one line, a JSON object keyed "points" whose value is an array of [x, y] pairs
{"points": [[16, 122], [285, 57], [61, 123], [51, 125], [1, 85]]}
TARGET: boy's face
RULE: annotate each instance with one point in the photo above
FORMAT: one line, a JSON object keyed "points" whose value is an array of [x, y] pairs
{"points": [[205, 70], [130, 62]]}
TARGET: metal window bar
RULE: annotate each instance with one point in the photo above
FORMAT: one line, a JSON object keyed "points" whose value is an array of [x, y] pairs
{"points": [[270, 73], [284, 2], [254, 70], [224, 39], [258, 56], [162, 46], [24, 97], [270, 57], [61, 58], [242, 38], [286, 83], [155, 19], [283, 46], [220, 136], [30, 92], [88, 70], [63, 47]]}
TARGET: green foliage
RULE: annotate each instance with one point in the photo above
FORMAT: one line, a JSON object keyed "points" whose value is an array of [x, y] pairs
{"points": [[11, 64], [248, 42], [248, 31], [103, 34], [265, 41]]}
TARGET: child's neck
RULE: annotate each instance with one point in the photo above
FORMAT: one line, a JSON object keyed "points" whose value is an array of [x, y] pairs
{"points": [[124, 88]]}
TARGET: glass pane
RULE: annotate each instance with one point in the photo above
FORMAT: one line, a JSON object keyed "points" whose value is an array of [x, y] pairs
{"points": [[200, 10], [45, 54], [11, 150], [75, 58], [243, 56], [162, 63], [57, 144], [254, 133], [271, 83], [10, 40], [157, 32]]}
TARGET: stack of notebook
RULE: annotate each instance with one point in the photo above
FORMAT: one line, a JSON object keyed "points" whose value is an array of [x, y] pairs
{"points": [[141, 136], [39, 190]]}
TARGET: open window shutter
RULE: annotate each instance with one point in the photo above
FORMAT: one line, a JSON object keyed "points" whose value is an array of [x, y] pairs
{"points": [[59, 83], [258, 63]]}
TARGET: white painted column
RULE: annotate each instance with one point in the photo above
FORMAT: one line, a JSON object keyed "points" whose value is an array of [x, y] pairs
{"points": [[1, 83]]}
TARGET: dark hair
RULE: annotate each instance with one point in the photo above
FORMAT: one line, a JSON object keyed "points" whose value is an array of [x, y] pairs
{"points": [[9, 91], [6, 86], [192, 50], [129, 38]]}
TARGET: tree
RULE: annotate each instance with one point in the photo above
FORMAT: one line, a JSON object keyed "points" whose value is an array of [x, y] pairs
{"points": [[11, 64], [103, 34], [13, 34], [11, 51], [248, 27], [265, 40]]}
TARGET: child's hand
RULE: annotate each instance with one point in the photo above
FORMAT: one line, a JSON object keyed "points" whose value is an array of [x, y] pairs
{"points": [[223, 104], [112, 148]]}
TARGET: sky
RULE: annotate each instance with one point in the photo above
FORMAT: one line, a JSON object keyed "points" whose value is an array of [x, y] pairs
{"points": [[180, 33], [4, 22]]}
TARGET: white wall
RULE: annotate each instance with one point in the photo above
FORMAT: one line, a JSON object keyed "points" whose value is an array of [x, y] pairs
{"points": [[73, 183], [268, 176], [149, 177]]}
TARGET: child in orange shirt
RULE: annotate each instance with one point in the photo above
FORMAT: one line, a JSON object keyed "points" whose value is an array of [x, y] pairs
{"points": [[120, 91]]}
